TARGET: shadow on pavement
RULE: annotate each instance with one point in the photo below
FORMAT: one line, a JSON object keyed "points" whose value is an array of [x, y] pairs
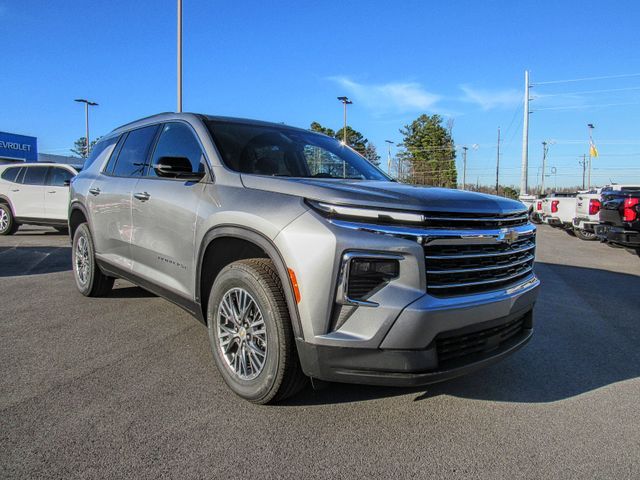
{"points": [[16, 261], [587, 333]]}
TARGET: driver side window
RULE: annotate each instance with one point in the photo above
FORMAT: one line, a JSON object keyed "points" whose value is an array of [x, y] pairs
{"points": [[177, 140]]}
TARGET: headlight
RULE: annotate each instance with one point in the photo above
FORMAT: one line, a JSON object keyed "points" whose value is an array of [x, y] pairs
{"points": [[342, 211]]}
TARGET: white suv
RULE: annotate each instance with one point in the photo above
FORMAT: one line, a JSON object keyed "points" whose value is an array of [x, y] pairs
{"points": [[36, 194]]}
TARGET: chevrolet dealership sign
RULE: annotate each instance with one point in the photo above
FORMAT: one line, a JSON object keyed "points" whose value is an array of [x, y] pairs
{"points": [[18, 147]]}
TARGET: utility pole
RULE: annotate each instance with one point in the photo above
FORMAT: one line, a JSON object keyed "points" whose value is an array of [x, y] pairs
{"points": [[464, 167], [525, 138], [498, 164], [590, 127], [583, 164], [545, 149], [87, 103], [389, 143], [179, 107]]}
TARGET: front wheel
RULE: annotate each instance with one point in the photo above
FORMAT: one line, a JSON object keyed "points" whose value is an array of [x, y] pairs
{"points": [[89, 278], [251, 334], [8, 224], [584, 235]]}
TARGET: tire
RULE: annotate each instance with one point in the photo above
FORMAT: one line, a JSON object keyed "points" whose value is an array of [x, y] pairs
{"points": [[89, 278], [570, 232], [584, 235], [8, 224], [262, 333]]}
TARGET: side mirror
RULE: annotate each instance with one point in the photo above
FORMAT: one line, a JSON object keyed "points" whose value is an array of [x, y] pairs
{"points": [[176, 167]]}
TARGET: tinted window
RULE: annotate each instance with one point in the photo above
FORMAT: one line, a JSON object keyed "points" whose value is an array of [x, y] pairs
{"points": [[20, 176], [101, 151], [288, 152], [10, 174], [58, 176], [134, 151], [177, 140], [35, 175]]}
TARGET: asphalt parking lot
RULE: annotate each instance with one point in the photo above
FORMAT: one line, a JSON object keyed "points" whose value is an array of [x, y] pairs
{"points": [[124, 386]]}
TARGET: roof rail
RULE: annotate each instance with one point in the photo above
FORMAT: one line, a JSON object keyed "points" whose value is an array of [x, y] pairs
{"points": [[140, 119]]}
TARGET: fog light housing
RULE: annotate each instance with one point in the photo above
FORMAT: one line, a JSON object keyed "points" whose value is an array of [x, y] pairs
{"points": [[363, 274]]}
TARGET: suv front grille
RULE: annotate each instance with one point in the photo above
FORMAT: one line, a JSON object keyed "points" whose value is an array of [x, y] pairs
{"points": [[451, 346], [465, 268]]}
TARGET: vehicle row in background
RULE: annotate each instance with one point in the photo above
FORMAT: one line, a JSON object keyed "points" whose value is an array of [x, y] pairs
{"points": [[610, 214]]}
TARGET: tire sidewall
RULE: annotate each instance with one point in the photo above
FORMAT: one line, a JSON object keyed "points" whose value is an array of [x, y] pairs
{"points": [[83, 231], [11, 225], [261, 386]]}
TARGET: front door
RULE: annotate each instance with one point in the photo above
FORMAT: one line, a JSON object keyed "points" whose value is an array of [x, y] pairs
{"points": [[164, 215], [28, 197]]}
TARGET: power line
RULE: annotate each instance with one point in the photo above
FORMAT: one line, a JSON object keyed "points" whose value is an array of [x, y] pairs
{"points": [[571, 107], [584, 92], [584, 79]]}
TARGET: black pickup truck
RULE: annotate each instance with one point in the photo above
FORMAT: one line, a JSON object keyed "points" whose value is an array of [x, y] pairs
{"points": [[620, 216]]}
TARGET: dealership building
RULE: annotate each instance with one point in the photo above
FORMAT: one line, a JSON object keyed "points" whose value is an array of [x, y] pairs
{"points": [[23, 148]]}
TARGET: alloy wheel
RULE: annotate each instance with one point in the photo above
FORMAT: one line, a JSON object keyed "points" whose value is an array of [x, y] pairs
{"points": [[242, 335], [4, 220], [82, 263]]}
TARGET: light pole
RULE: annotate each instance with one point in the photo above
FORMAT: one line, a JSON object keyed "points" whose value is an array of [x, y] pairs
{"points": [[179, 54], [389, 143], [590, 127], [464, 167], [345, 101], [86, 119]]}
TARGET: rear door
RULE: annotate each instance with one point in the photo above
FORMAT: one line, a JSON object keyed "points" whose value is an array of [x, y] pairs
{"points": [[164, 214], [28, 197], [110, 195], [56, 197]]}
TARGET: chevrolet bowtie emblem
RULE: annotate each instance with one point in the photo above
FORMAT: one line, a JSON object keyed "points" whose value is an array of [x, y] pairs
{"points": [[507, 235]]}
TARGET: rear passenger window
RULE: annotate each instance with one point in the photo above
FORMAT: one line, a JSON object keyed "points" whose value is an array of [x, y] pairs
{"points": [[177, 140], [133, 154], [10, 174], [58, 176], [35, 175]]}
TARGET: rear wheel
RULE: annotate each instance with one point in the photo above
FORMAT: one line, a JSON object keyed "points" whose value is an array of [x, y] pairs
{"points": [[250, 332], [584, 235], [8, 224], [89, 278]]}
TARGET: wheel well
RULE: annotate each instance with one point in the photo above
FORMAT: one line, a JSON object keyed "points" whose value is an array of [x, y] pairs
{"points": [[219, 253], [76, 219]]}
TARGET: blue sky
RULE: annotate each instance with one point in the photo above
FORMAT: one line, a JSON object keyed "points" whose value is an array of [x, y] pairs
{"points": [[287, 62]]}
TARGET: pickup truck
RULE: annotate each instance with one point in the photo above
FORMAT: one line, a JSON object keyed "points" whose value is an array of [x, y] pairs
{"points": [[620, 216], [558, 210], [587, 214]]}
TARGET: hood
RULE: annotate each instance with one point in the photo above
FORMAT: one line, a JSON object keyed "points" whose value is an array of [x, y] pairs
{"points": [[384, 194]]}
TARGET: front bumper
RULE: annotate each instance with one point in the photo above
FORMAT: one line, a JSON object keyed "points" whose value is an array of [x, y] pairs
{"points": [[466, 350], [618, 235], [412, 351]]}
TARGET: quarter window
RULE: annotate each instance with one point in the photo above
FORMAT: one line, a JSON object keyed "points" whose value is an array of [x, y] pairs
{"points": [[35, 175], [101, 151], [177, 140], [10, 174], [134, 151]]}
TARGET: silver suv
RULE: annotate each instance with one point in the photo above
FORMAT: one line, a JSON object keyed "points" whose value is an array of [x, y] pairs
{"points": [[302, 258]]}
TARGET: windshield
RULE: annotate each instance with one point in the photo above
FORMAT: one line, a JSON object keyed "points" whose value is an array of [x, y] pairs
{"points": [[288, 152]]}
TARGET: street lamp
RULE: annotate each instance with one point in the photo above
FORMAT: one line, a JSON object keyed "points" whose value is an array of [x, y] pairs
{"points": [[345, 101], [86, 117], [389, 142]]}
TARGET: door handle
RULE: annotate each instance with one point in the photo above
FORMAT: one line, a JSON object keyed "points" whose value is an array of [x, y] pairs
{"points": [[52, 191], [15, 189], [94, 191], [142, 196]]}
